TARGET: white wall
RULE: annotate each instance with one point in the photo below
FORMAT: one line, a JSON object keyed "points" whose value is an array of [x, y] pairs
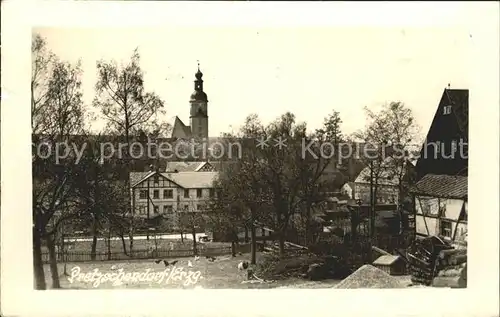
{"points": [[431, 211]]}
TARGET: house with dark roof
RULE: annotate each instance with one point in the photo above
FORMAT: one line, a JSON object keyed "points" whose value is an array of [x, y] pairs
{"points": [[441, 206], [445, 151], [440, 191]]}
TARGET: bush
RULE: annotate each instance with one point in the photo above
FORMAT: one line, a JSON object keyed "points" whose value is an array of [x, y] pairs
{"points": [[303, 265]]}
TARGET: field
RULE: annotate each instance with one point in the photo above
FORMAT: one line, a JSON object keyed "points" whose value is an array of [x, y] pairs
{"points": [[222, 273], [140, 243]]}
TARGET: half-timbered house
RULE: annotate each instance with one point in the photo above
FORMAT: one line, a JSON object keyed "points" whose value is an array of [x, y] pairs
{"points": [[441, 206], [168, 193], [440, 193]]}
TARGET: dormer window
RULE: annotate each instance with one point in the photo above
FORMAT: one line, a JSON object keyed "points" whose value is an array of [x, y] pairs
{"points": [[446, 110]]}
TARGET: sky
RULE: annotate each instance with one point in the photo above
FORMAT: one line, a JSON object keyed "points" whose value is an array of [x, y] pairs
{"points": [[270, 70]]}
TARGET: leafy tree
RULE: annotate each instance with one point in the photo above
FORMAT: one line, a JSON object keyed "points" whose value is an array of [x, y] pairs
{"points": [[264, 181], [315, 181], [390, 134]]}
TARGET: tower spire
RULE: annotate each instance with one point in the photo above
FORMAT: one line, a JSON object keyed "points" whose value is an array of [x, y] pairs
{"points": [[198, 94]]}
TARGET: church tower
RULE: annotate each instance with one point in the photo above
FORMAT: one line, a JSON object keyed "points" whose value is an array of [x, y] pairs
{"points": [[199, 112]]}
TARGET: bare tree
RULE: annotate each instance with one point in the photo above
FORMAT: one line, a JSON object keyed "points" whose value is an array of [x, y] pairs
{"points": [[122, 99], [101, 190], [41, 62], [190, 220], [55, 178], [126, 106]]}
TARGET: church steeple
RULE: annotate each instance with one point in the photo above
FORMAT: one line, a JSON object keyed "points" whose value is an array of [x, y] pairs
{"points": [[198, 94], [199, 110]]}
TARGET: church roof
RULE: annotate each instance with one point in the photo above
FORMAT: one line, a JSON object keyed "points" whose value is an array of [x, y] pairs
{"points": [[180, 130]]}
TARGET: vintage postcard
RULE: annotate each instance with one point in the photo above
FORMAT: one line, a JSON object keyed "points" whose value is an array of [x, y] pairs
{"points": [[199, 156]]}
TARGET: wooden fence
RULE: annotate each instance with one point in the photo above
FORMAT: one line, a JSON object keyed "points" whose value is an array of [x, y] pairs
{"points": [[83, 256]]}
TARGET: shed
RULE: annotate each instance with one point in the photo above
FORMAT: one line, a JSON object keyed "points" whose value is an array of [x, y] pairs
{"points": [[391, 264]]}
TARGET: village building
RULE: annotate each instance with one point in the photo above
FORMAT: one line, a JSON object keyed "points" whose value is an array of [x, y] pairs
{"points": [[168, 193], [441, 206], [385, 180], [445, 151], [348, 190], [440, 192]]}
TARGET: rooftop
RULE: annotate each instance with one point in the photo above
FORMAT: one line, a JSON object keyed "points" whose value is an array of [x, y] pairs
{"points": [[189, 179], [444, 186], [386, 260]]}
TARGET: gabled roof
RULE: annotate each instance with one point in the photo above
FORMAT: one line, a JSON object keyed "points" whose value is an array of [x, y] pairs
{"points": [[384, 177], [193, 179], [138, 177], [444, 186], [180, 130], [205, 167], [183, 179], [350, 184]]}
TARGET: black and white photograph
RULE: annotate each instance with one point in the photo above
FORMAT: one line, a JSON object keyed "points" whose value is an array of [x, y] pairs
{"points": [[263, 157]]}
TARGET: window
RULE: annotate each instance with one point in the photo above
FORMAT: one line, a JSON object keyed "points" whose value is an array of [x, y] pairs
{"points": [[424, 204], [143, 194], [186, 207], [156, 194], [186, 193], [199, 193], [167, 208], [168, 193], [142, 210], [446, 110], [212, 192], [445, 228], [156, 179], [156, 209]]}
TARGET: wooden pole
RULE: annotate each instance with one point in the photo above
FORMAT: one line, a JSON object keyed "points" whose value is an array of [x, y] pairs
{"points": [[372, 200], [147, 221]]}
